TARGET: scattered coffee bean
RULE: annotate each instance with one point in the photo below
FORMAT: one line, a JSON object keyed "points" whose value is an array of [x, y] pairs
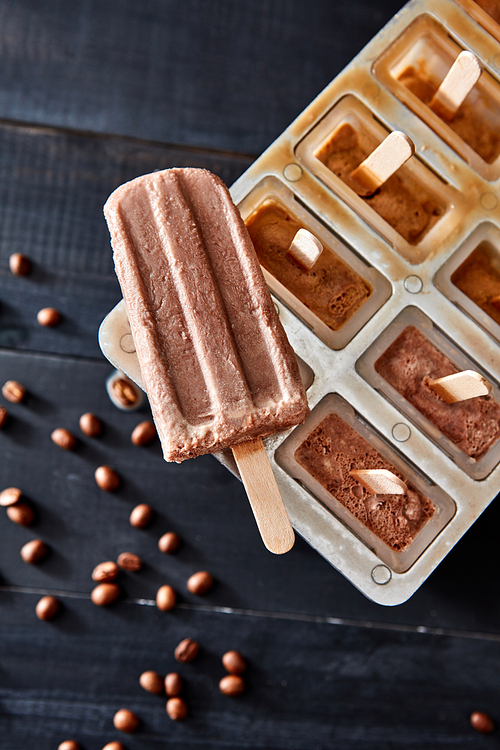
{"points": [[69, 745], [152, 682], [232, 684], [129, 561], [63, 438], [34, 551], [114, 746], [10, 496], [49, 317], [13, 391], [47, 608], [4, 415], [90, 425], [105, 593], [125, 721], [143, 434], [187, 650], [124, 392], [107, 479], [177, 709], [166, 598], [105, 572], [199, 583], [482, 722], [234, 662], [21, 513], [168, 543], [19, 264], [141, 516], [173, 684]]}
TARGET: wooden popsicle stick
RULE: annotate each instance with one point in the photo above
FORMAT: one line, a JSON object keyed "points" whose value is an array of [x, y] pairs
{"points": [[495, 301], [380, 481], [460, 386], [457, 84], [264, 496], [381, 164], [305, 249]]}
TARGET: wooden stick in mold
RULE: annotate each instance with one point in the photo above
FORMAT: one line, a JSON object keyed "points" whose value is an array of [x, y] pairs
{"points": [[380, 481], [456, 86], [382, 163], [460, 386], [305, 249]]}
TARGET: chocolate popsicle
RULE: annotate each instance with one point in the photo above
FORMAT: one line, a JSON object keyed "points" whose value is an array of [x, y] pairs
{"points": [[215, 360]]}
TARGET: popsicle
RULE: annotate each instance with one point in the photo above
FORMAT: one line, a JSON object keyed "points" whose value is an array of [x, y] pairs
{"points": [[217, 366]]}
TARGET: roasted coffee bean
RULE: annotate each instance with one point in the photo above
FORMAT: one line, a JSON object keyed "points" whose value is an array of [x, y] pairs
{"points": [[13, 391], [107, 479], [124, 392], [10, 496], [168, 543], [63, 438], [90, 425], [129, 561], [105, 572], [4, 415], [21, 513], [173, 684], [105, 593], [177, 709], [47, 608], [114, 746], [19, 264], [199, 583], [69, 745], [143, 434], [232, 684], [482, 722], [141, 516], [187, 650], [34, 551], [166, 598], [152, 682], [125, 721], [234, 662], [49, 317]]}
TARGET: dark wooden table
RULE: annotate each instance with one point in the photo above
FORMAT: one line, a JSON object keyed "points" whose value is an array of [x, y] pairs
{"points": [[93, 93]]}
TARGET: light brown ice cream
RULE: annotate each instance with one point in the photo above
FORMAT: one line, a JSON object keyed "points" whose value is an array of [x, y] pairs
{"points": [[478, 277]]}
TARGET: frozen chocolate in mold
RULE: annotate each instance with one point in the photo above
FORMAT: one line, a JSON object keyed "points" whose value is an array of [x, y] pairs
{"points": [[334, 449], [478, 277], [403, 203], [330, 289], [408, 365]]}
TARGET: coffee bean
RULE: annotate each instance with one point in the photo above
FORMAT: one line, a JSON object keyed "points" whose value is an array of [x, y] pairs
{"points": [[19, 264], [166, 598], [90, 425], [4, 415], [141, 516], [10, 496], [177, 709], [105, 572], [168, 543], [107, 479], [105, 593], [69, 745], [152, 682], [143, 434], [187, 650], [125, 721], [232, 684], [173, 684], [21, 513], [199, 583], [63, 438], [234, 662], [47, 608], [129, 561], [482, 722], [34, 551], [13, 391], [124, 392], [114, 746], [49, 317]]}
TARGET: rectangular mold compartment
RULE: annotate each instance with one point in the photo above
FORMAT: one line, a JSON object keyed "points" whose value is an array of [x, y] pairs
{"points": [[471, 277], [437, 357], [412, 68], [400, 518], [339, 294], [413, 210]]}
